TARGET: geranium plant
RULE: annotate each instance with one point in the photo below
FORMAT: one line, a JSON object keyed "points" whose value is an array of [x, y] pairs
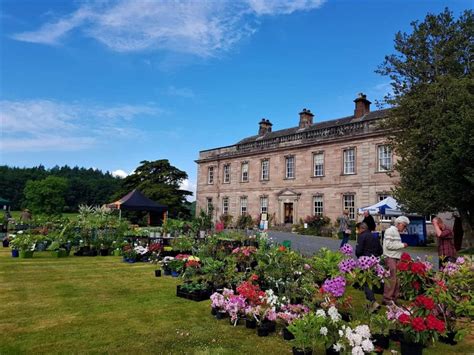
{"points": [[413, 275]]}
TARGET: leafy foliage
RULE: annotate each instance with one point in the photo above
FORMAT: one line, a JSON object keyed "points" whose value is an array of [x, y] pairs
{"points": [[432, 123], [160, 181], [46, 196]]}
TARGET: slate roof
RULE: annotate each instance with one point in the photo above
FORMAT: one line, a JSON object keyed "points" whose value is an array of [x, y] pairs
{"points": [[319, 125]]}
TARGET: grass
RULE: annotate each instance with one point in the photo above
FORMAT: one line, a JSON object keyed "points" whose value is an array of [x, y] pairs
{"points": [[100, 304], [71, 216]]}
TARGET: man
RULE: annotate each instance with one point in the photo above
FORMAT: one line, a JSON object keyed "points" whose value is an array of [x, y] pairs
{"points": [[369, 221], [368, 245], [344, 227], [446, 249], [392, 246]]}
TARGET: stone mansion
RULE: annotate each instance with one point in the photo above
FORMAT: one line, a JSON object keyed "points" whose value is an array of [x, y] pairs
{"points": [[313, 168]]}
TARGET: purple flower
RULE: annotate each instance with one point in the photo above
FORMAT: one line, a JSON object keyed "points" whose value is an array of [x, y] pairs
{"points": [[367, 262], [347, 265], [346, 249], [335, 286]]}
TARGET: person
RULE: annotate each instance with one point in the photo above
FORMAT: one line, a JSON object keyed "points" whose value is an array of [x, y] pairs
{"points": [[392, 246], [25, 216], [369, 221], [344, 227], [446, 249], [368, 245]]}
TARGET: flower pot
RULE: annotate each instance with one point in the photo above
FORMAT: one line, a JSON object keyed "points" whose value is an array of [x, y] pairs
{"points": [[117, 252], [395, 335], [449, 338], [6, 243], [131, 261], [262, 331], [213, 311], [15, 253], [298, 351], [287, 335], [157, 273], [331, 351], [166, 272], [26, 254], [250, 323], [346, 316], [221, 315], [382, 341], [271, 325], [174, 273], [104, 252], [409, 348]]}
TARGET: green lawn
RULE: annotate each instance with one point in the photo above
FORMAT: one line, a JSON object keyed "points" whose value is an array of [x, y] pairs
{"points": [[100, 304]]}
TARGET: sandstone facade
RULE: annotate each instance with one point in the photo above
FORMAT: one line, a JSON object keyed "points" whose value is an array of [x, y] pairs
{"points": [[289, 198]]}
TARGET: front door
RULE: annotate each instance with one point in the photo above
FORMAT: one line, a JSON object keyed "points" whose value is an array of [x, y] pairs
{"points": [[288, 212]]}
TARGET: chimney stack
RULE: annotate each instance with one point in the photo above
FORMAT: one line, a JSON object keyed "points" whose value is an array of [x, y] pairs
{"points": [[306, 118], [265, 127], [362, 105]]}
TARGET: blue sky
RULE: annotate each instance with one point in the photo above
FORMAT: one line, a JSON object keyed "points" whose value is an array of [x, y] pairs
{"points": [[107, 84]]}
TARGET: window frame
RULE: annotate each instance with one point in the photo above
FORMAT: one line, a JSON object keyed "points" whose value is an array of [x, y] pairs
{"points": [[354, 161], [210, 175], [226, 174], [315, 197], [262, 177], [242, 206], [263, 198], [244, 163], [352, 209], [320, 153], [209, 203], [225, 209], [390, 156], [287, 159]]}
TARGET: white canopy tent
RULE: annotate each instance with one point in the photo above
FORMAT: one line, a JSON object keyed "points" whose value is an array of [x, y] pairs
{"points": [[388, 206]]}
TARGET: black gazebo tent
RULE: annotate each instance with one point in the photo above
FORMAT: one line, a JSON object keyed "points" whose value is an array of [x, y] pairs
{"points": [[136, 201]]}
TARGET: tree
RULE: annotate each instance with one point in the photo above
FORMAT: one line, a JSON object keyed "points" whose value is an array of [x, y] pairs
{"points": [[160, 181], [46, 196], [431, 124]]}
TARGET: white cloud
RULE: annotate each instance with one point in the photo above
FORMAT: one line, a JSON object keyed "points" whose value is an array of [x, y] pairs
{"points": [[41, 125], [181, 92], [201, 28], [119, 173], [189, 185]]}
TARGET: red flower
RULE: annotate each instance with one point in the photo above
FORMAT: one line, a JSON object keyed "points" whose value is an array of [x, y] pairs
{"points": [[404, 318], [415, 285], [441, 285], [425, 302], [418, 268], [418, 324], [281, 248], [406, 257], [193, 263], [403, 266], [254, 277]]}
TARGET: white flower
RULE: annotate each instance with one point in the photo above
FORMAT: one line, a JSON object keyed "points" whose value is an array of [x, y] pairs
{"points": [[334, 314], [20, 232], [356, 338], [338, 347], [321, 313], [323, 331], [341, 333], [363, 330], [357, 350], [367, 345]]}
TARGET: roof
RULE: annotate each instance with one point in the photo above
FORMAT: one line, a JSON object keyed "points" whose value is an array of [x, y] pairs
{"points": [[319, 125], [136, 201]]}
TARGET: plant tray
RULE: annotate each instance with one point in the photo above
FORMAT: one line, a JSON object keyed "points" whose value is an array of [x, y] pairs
{"points": [[194, 296]]}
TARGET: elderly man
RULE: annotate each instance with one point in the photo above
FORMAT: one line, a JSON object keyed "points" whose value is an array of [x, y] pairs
{"points": [[392, 246], [446, 249], [368, 245]]}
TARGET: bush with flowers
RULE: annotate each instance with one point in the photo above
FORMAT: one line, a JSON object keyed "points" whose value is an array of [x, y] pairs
{"points": [[244, 256], [414, 276]]}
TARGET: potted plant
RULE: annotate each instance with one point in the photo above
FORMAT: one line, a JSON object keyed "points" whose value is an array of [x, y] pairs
{"points": [[288, 314], [305, 331], [380, 326], [56, 250], [129, 254], [25, 244], [354, 340], [176, 266]]}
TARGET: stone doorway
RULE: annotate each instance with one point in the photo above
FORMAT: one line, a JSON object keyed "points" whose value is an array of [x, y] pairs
{"points": [[288, 212]]}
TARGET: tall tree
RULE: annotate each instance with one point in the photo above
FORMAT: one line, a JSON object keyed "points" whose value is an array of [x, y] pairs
{"points": [[432, 121], [46, 196], [161, 181]]}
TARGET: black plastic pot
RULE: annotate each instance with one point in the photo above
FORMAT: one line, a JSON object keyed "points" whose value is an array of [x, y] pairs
{"points": [[221, 315], [213, 311], [271, 325], [346, 316], [250, 323], [298, 351], [331, 351], [104, 252], [408, 348], [381, 340], [157, 273], [395, 335], [262, 331], [448, 339], [287, 335], [6, 243]]}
